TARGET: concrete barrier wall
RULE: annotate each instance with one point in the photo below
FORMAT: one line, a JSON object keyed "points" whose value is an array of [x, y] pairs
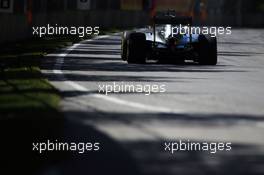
{"points": [[13, 27], [253, 20], [247, 20], [106, 19]]}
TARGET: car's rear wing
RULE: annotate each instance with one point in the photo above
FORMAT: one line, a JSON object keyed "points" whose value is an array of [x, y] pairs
{"points": [[170, 17], [174, 20]]}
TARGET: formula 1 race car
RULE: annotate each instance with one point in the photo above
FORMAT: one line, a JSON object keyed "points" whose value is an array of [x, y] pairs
{"points": [[160, 42]]}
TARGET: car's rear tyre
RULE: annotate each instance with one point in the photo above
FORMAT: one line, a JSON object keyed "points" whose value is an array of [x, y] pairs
{"points": [[136, 48], [207, 50]]}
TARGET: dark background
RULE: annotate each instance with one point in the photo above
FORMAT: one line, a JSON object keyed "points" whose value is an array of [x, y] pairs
{"points": [[16, 22]]}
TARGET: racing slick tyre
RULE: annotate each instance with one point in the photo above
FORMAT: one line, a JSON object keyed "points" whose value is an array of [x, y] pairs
{"points": [[124, 45], [136, 48], [207, 50]]}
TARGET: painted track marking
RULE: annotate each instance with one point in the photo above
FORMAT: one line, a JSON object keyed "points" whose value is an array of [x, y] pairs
{"points": [[58, 70]]}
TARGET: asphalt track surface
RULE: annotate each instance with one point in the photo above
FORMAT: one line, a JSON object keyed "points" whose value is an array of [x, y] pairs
{"points": [[222, 103]]}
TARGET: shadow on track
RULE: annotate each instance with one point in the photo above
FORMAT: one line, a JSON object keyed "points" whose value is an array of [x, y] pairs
{"points": [[109, 59], [141, 156], [18, 157], [244, 159], [239, 54], [110, 64]]}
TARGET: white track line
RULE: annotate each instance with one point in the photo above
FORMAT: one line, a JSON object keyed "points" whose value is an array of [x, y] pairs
{"points": [[58, 70]]}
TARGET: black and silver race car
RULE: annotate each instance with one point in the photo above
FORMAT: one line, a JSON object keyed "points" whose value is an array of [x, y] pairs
{"points": [[160, 42]]}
